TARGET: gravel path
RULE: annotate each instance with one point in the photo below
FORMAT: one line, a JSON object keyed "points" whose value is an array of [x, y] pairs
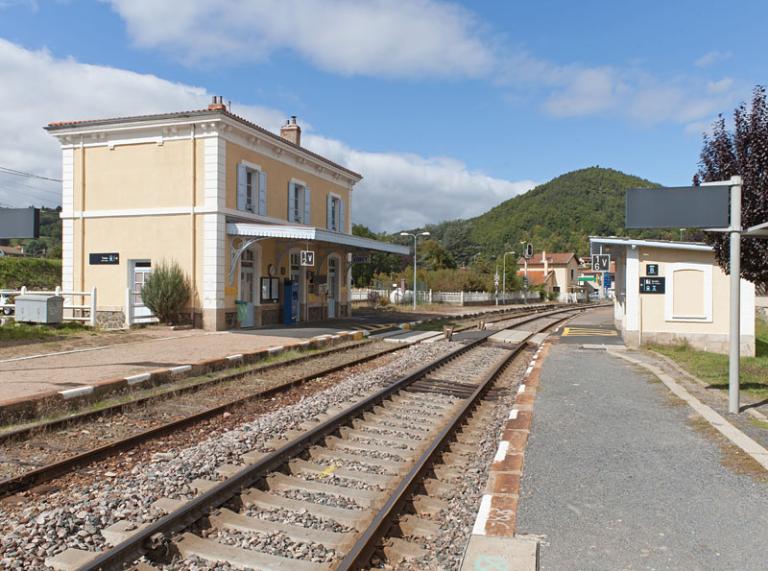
{"points": [[33, 530]]}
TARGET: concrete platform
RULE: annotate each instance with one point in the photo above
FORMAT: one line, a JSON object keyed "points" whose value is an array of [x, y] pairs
{"points": [[510, 336], [591, 328], [486, 553]]}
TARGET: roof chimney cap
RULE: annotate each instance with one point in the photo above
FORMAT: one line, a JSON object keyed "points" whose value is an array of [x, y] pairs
{"points": [[291, 131], [217, 103]]}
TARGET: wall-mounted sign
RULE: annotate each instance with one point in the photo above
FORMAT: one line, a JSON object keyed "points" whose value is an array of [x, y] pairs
{"points": [[652, 269], [308, 258], [109, 259], [361, 259], [607, 281], [652, 285]]}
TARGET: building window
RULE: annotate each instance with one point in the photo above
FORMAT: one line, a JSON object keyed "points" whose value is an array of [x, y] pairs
{"points": [[298, 203], [251, 189], [335, 214]]}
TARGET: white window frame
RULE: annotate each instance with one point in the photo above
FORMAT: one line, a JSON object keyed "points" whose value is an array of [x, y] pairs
{"points": [[255, 250], [669, 296], [301, 189], [257, 176], [336, 220]]}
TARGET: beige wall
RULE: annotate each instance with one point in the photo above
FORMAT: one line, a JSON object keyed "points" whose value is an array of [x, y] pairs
{"points": [[279, 176], [138, 176]]}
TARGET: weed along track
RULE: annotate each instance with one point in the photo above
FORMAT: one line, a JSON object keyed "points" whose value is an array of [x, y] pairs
{"points": [[319, 483]]}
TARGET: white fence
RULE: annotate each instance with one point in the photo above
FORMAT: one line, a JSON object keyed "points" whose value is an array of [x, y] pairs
{"points": [[84, 313], [371, 295]]}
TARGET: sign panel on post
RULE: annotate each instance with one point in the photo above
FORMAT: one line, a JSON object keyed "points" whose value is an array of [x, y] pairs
{"points": [[601, 262], [308, 258], [678, 207], [19, 223], [652, 285]]}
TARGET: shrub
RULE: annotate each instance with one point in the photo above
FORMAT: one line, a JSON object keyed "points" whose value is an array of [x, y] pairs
{"points": [[166, 291]]}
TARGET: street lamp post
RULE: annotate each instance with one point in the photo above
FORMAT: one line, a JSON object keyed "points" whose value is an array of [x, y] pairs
{"points": [[414, 236], [504, 277], [525, 272]]}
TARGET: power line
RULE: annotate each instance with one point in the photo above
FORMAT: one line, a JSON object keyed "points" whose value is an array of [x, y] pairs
{"points": [[34, 188], [14, 172]]}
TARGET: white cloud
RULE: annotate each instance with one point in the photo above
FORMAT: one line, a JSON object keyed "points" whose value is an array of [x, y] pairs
{"points": [[398, 190], [45, 89], [712, 57], [408, 191], [375, 38]]}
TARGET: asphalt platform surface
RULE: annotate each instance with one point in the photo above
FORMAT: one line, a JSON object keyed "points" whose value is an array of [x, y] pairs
{"points": [[617, 477]]}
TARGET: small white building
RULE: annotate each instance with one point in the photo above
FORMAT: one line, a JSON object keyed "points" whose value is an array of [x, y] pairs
{"points": [[674, 292]]}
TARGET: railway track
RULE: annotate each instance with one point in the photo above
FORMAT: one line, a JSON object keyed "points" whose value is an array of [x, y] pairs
{"points": [[57, 466], [330, 493]]}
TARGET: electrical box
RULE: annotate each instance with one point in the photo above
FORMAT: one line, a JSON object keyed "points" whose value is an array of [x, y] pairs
{"points": [[37, 308]]}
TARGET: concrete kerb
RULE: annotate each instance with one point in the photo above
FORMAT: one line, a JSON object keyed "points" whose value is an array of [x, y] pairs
{"points": [[719, 423], [30, 407]]}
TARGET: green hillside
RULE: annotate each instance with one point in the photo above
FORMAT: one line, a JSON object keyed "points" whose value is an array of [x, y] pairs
{"points": [[559, 215]]}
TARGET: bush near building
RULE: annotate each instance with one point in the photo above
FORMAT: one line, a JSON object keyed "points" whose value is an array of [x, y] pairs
{"points": [[167, 292], [35, 273]]}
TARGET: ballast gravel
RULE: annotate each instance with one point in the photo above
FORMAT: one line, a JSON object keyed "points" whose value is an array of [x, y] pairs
{"points": [[75, 518]]}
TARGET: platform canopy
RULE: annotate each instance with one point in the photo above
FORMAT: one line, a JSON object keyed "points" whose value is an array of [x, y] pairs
{"points": [[311, 234]]}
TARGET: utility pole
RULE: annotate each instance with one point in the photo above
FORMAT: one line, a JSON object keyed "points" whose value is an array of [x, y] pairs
{"points": [[504, 277], [735, 269], [414, 236]]}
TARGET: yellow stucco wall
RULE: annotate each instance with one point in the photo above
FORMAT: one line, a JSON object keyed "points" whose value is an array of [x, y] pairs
{"points": [[139, 176], [652, 305], [279, 176], [153, 238]]}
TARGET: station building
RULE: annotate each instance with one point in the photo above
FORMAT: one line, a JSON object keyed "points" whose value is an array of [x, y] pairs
{"points": [[233, 204], [674, 292]]}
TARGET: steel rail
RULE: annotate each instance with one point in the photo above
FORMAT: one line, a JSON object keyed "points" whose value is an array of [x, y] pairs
{"points": [[157, 534], [49, 472], [360, 553], [119, 407], [154, 535]]}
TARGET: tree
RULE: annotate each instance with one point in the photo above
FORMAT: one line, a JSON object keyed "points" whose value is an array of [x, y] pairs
{"points": [[166, 291], [433, 256], [743, 152]]}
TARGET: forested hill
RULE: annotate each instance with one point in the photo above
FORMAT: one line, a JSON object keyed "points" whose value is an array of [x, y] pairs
{"points": [[559, 215]]}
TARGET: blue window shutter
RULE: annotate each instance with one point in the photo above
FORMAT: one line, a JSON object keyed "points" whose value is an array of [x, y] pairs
{"points": [[307, 203], [291, 202], [263, 193], [329, 213], [342, 220], [241, 187]]}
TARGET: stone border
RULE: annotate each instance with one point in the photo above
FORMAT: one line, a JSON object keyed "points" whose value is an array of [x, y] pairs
{"points": [[33, 406]]}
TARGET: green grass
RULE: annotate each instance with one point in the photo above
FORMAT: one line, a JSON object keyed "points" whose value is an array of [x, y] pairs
{"points": [[25, 332], [712, 368]]}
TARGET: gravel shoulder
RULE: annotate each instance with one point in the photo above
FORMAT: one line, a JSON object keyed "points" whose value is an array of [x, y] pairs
{"points": [[620, 475]]}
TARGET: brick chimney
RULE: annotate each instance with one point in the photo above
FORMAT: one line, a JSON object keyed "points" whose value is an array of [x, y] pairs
{"points": [[291, 131], [217, 104]]}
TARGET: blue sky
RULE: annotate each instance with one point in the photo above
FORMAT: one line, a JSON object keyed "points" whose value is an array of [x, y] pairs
{"points": [[445, 108]]}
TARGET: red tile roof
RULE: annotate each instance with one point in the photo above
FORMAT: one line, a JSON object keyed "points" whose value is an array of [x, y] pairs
{"points": [[56, 125], [556, 258]]}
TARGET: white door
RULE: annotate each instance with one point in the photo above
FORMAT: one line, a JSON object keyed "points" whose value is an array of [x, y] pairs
{"points": [[140, 271], [333, 286], [247, 288]]}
